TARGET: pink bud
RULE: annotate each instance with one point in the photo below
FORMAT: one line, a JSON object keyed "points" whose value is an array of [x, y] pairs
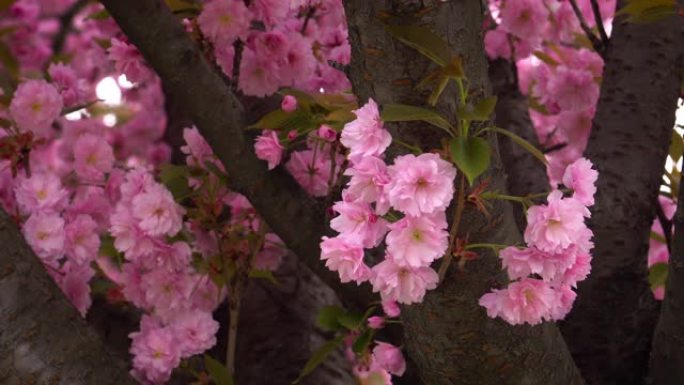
{"points": [[292, 135], [327, 133], [376, 322], [391, 308], [289, 103]]}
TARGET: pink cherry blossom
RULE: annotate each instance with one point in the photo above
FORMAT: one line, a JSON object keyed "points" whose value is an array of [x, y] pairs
{"points": [[44, 232], [326, 133], [312, 172], [41, 192], [391, 308], [403, 284], [72, 89], [521, 263], [82, 241], [421, 184], [368, 179], [573, 89], [267, 147], [366, 135], [76, 287], [346, 258], [358, 221], [93, 157], [270, 256], [157, 211], [417, 241], [526, 301], [129, 61], [289, 103], [581, 178], [497, 44], [35, 106], [389, 357], [222, 21], [565, 297], [155, 353], [194, 332], [557, 225], [524, 18]]}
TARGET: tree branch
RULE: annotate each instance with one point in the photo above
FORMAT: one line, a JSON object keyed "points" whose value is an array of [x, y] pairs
{"points": [[218, 114], [595, 41], [65, 21], [599, 22], [668, 342], [609, 330], [43, 339]]}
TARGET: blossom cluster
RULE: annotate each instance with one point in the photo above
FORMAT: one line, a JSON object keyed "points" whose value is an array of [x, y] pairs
{"points": [[555, 70], [556, 255]]}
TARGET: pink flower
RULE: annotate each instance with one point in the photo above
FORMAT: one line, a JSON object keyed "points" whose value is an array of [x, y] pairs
{"points": [[41, 192], [267, 147], [155, 353], [521, 263], [222, 21], [44, 232], [167, 292], [391, 308], [345, 257], [526, 301], [157, 212], [421, 184], [270, 11], [573, 89], [358, 221], [389, 357], [581, 178], [72, 89], [557, 225], [35, 106], [195, 332], [524, 18], [271, 254], [93, 157], [497, 44], [368, 178], [76, 287], [417, 241], [312, 172], [376, 322], [579, 271], [129, 61], [225, 58], [405, 285], [565, 298], [196, 147], [258, 77], [365, 136], [82, 241], [289, 103]]}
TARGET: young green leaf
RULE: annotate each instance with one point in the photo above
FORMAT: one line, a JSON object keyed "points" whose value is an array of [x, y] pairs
{"points": [[327, 318], [218, 372], [422, 40], [406, 113], [318, 357], [647, 11], [521, 142], [175, 178], [471, 155], [676, 146], [279, 119], [264, 274], [657, 275], [482, 111], [363, 341], [351, 320]]}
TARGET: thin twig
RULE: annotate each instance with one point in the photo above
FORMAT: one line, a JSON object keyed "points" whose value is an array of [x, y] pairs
{"points": [[460, 205], [234, 314], [595, 42], [599, 23]]}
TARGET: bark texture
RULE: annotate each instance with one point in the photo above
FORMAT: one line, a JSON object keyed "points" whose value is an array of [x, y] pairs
{"points": [[525, 173], [43, 339], [610, 328], [667, 358], [449, 336], [219, 116]]}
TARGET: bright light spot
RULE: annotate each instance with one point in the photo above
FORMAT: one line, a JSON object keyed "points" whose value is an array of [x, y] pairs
{"points": [[76, 115], [109, 120], [124, 83], [108, 91], [321, 90]]}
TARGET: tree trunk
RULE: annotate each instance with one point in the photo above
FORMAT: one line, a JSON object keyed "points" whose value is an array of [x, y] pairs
{"points": [[43, 339], [449, 336], [610, 328]]}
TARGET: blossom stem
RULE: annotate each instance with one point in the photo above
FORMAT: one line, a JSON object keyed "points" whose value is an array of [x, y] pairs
{"points": [[493, 246], [234, 314], [413, 149], [460, 205]]}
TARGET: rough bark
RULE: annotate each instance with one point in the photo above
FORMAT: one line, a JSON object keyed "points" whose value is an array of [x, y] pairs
{"points": [[218, 115], [667, 357], [610, 328], [525, 174], [449, 336], [43, 339]]}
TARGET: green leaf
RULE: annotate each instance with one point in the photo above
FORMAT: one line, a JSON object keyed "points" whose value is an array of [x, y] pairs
{"points": [[406, 113], [363, 341], [327, 318], [351, 320], [5, 4], [99, 15], [218, 372], [422, 40], [281, 120], [657, 237], [657, 275], [264, 274], [107, 248], [175, 178], [546, 58], [647, 11], [676, 146], [482, 111], [318, 357], [471, 155], [521, 142], [442, 82]]}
